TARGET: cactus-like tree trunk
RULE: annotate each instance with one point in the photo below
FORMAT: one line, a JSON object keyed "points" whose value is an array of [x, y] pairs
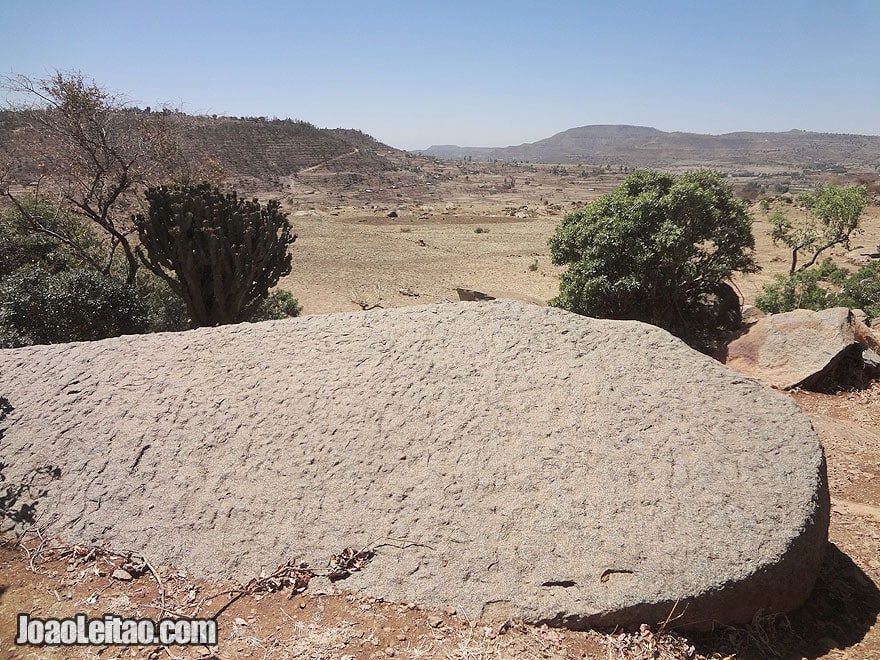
{"points": [[218, 252]]}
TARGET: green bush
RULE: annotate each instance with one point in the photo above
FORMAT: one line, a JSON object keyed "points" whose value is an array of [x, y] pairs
{"points": [[33, 236], [166, 311], [278, 305], [658, 249], [861, 289], [39, 307], [821, 288]]}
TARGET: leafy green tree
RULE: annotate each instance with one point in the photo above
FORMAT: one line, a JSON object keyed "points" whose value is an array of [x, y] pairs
{"points": [[658, 249], [835, 214], [219, 253]]}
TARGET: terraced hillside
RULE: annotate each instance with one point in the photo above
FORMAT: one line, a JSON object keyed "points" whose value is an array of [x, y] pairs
{"points": [[252, 149]]}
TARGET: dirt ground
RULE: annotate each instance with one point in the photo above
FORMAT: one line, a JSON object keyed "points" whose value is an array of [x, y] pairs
{"points": [[459, 226]]}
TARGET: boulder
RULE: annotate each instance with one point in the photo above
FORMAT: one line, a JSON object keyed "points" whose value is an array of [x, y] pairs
{"points": [[506, 459], [751, 314], [803, 348], [866, 336], [471, 295]]}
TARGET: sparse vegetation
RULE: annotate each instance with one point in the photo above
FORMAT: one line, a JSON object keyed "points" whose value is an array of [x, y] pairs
{"points": [[481, 230], [102, 156], [835, 214], [219, 253], [827, 286], [658, 249]]}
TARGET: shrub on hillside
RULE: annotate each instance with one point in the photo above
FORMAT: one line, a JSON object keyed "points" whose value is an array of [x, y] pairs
{"points": [[658, 249], [39, 307], [22, 244], [827, 286]]}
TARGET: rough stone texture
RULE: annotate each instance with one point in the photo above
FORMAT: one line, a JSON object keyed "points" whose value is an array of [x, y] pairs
{"points": [[751, 314], [866, 336], [504, 459], [802, 348]]}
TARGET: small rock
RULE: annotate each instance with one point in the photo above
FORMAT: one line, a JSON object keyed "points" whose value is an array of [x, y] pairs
{"points": [[435, 621], [391, 214], [450, 611], [121, 574], [240, 622], [389, 652], [751, 314]]}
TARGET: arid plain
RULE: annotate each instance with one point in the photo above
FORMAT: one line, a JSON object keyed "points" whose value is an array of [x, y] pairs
{"points": [[415, 236]]}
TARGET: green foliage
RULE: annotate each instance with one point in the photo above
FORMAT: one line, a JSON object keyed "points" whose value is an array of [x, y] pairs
{"points": [[805, 289], [656, 250], [835, 214], [166, 311], [219, 253], [821, 288], [38, 232], [861, 289], [18, 249], [39, 307], [278, 305]]}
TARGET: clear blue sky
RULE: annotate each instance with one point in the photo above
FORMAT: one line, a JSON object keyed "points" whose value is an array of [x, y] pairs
{"points": [[415, 73]]}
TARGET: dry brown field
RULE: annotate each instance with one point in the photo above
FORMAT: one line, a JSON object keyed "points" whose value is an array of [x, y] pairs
{"points": [[458, 227]]}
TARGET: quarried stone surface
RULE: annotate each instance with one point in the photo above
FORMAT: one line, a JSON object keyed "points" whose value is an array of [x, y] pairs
{"points": [[506, 459]]}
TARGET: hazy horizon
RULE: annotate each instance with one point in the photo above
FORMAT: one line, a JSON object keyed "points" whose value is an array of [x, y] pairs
{"points": [[486, 74]]}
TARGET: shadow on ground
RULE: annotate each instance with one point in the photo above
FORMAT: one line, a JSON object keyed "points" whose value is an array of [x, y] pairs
{"points": [[841, 610]]}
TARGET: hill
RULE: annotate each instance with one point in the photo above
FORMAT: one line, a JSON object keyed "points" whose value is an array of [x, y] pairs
{"points": [[248, 149], [639, 146]]}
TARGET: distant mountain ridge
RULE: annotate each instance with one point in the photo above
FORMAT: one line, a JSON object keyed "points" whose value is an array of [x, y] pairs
{"points": [[641, 146]]}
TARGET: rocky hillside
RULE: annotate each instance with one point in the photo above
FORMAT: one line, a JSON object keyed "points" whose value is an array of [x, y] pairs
{"points": [[246, 148], [638, 146]]}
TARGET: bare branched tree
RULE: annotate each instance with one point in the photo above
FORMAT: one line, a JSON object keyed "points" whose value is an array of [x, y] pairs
{"points": [[99, 155]]}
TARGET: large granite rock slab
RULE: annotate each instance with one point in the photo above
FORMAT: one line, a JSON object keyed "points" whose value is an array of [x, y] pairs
{"points": [[507, 459]]}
